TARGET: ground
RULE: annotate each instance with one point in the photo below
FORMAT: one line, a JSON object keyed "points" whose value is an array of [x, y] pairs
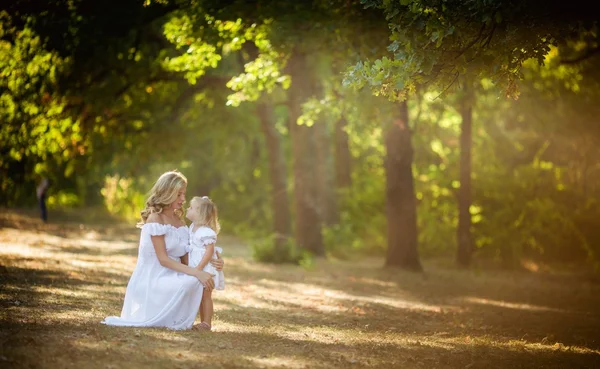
{"points": [[58, 281]]}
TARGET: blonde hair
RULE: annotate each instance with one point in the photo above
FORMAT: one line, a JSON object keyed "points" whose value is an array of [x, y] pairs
{"points": [[209, 214], [164, 193]]}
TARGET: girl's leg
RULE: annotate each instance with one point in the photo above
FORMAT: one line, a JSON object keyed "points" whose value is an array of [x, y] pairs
{"points": [[206, 307]]}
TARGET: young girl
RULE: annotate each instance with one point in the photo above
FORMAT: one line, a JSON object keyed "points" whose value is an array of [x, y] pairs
{"points": [[203, 236]]}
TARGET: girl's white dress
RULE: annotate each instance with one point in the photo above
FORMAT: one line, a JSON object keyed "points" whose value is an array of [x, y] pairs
{"points": [[198, 240], [157, 296]]}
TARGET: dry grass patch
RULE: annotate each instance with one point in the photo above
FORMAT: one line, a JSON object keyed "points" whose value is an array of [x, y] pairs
{"points": [[59, 281]]}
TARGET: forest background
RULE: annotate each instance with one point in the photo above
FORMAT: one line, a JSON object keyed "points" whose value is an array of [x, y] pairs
{"points": [[464, 130]]}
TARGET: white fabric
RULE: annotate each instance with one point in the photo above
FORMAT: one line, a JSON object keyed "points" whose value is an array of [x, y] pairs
{"points": [[198, 240], [157, 296]]}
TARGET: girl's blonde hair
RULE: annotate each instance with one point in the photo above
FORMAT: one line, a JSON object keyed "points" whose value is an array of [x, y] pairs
{"points": [[209, 214], [164, 193]]}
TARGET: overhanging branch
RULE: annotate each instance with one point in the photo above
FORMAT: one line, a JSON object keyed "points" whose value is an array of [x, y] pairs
{"points": [[589, 53]]}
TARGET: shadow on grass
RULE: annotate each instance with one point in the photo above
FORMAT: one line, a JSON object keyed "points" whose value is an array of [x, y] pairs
{"points": [[111, 347], [510, 310], [343, 315], [94, 251]]}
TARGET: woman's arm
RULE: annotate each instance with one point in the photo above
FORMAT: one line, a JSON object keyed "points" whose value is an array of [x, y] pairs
{"points": [[161, 253], [210, 250], [218, 263], [185, 259]]}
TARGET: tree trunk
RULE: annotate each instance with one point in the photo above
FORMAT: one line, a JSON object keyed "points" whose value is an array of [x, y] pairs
{"points": [[308, 223], [343, 159], [463, 234], [279, 196], [325, 178], [400, 196]]}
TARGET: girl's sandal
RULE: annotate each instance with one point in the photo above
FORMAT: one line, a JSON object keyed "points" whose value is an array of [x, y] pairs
{"points": [[202, 327]]}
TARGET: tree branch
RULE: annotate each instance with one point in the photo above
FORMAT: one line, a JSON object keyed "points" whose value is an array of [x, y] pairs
{"points": [[419, 98], [204, 82], [447, 87], [489, 38], [586, 55], [473, 42]]}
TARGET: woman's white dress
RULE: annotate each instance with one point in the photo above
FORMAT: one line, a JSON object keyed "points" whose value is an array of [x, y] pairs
{"points": [[157, 296], [198, 240]]}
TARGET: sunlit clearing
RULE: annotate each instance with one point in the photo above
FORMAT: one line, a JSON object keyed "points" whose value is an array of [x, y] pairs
{"points": [[512, 345], [78, 293], [510, 305], [280, 362], [329, 299]]}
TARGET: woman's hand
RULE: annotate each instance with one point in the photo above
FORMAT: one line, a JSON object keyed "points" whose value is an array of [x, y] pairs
{"points": [[206, 279], [218, 262]]}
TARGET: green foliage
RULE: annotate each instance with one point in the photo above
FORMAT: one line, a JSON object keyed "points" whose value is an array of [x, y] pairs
{"points": [[433, 42], [362, 225], [355, 236], [207, 40], [63, 199], [260, 75], [516, 220], [177, 89], [341, 240], [264, 250], [121, 198], [198, 55], [551, 134], [35, 127]]}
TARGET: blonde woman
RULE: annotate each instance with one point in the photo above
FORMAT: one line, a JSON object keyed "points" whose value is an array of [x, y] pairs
{"points": [[163, 291]]}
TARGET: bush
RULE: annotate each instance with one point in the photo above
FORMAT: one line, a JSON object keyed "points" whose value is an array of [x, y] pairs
{"points": [[342, 240], [121, 198], [265, 250]]}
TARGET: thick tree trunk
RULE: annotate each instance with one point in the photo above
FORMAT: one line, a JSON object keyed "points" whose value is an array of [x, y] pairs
{"points": [[279, 196], [400, 195], [463, 234], [308, 223], [343, 159]]}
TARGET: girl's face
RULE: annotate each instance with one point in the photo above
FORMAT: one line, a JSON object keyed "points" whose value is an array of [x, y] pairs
{"points": [[178, 203], [193, 212]]}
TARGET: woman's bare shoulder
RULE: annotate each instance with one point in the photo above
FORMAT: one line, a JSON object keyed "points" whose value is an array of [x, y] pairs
{"points": [[155, 218]]}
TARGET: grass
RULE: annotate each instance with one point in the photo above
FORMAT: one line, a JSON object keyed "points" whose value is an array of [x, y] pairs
{"points": [[58, 281]]}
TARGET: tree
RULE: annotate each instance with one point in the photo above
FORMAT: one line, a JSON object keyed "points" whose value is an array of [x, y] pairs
{"points": [[434, 42], [400, 194], [280, 204], [36, 135], [285, 40], [464, 239], [87, 86]]}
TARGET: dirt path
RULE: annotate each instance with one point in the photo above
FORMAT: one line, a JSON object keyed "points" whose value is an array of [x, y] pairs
{"points": [[57, 282]]}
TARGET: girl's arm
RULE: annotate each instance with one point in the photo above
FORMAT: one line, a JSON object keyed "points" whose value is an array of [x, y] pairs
{"points": [[210, 250], [161, 253], [185, 259]]}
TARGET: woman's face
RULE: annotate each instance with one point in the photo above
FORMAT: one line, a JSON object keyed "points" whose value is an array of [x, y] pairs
{"points": [[180, 200]]}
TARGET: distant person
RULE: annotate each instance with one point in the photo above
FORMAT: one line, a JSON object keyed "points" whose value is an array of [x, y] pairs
{"points": [[203, 236], [163, 291], [41, 192]]}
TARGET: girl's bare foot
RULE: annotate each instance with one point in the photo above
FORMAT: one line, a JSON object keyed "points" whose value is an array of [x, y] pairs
{"points": [[202, 327]]}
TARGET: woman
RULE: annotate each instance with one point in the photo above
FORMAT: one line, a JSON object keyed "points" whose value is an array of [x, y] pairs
{"points": [[163, 291]]}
